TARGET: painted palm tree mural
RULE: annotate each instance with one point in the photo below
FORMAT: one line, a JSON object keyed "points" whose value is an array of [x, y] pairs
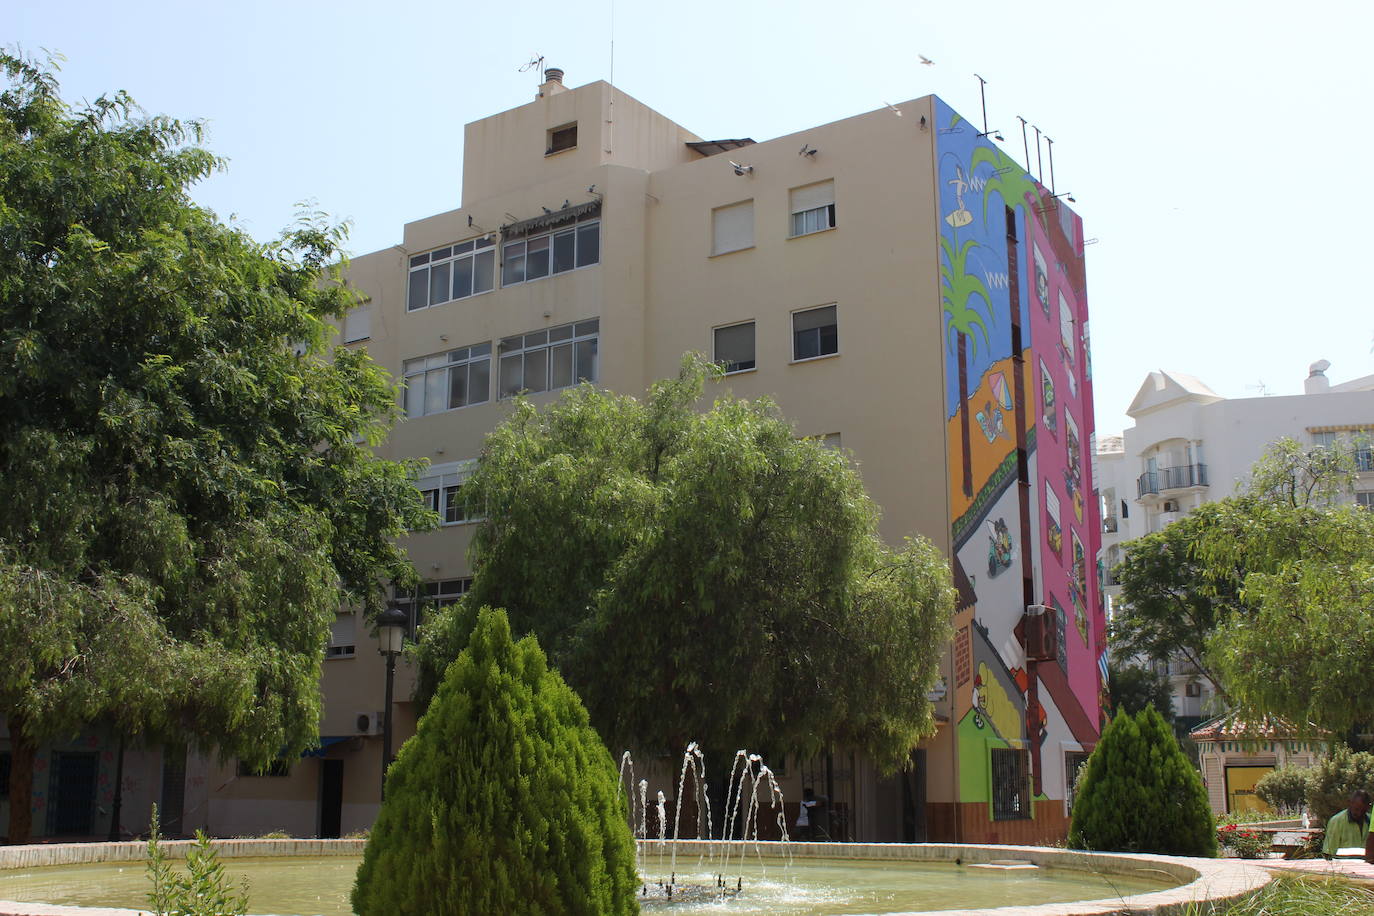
{"points": [[1007, 178], [958, 291]]}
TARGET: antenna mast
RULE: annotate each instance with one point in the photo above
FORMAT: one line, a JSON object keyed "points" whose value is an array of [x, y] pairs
{"points": [[983, 96]]}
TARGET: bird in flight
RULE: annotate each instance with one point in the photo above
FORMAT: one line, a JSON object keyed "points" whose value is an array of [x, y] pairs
{"points": [[926, 60]]}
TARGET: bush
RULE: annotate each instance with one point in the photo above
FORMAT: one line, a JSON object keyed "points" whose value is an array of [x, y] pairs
{"points": [[505, 801], [1285, 789], [1245, 842], [1140, 794], [203, 891], [1335, 778]]}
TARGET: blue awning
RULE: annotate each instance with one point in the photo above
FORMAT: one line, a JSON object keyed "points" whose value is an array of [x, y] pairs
{"points": [[326, 741]]}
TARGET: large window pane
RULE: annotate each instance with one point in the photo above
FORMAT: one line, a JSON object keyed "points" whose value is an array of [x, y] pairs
{"points": [[588, 244], [462, 278], [561, 368], [537, 258], [564, 251], [479, 382], [483, 271], [513, 265], [512, 376], [735, 347], [415, 396], [458, 386], [537, 370], [586, 360], [438, 284], [419, 290], [436, 391]]}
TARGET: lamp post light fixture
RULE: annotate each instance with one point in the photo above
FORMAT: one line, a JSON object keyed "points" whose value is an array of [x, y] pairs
{"points": [[391, 631]]}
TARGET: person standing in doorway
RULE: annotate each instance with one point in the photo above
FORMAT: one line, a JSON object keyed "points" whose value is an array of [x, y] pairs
{"points": [[805, 829]]}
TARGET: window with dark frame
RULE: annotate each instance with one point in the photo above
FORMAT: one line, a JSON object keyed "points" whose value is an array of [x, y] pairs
{"points": [[452, 272], [416, 603], [561, 138], [1074, 762], [815, 333], [734, 347], [442, 492], [1010, 784]]}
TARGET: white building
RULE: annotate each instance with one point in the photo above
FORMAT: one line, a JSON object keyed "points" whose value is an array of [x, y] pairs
{"points": [[1189, 445]]}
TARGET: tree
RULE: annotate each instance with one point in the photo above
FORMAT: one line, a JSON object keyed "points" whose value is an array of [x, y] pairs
{"points": [[1285, 789], [1302, 645], [702, 575], [1133, 688], [186, 485], [1332, 780], [1140, 794], [504, 801]]}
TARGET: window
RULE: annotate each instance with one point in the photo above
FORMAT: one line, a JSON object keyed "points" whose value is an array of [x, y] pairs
{"points": [[1010, 784], [548, 360], [342, 637], [357, 324], [813, 208], [1356, 440], [454, 272], [561, 138], [572, 244], [1074, 761], [814, 333], [1365, 499], [436, 594], [442, 491], [447, 381], [732, 227], [1192, 689], [735, 347]]}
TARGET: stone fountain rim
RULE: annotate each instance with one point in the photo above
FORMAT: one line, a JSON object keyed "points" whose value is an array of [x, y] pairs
{"points": [[1211, 880]]}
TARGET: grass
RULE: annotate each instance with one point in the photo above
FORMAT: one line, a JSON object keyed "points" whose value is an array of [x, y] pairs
{"points": [[1296, 896]]}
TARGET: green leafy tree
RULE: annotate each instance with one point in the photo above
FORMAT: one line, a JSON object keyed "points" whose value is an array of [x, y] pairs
{"points": [[702, 575], [504, 801], [1133, 688], [204, 890], [1285, 789], [1302, 645], [1171, 599], [186, 487], [1140, 793], [1331, 781]]}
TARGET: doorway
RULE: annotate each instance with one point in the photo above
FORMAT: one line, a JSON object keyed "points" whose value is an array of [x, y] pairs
{"points": [[72, 792], [331, 798]]}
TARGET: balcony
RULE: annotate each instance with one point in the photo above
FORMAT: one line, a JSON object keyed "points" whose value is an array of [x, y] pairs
{"points": [[1176, 478], [1109, 525]]}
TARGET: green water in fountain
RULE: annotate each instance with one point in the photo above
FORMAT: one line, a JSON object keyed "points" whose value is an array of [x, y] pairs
{"points": [[824, 887]]}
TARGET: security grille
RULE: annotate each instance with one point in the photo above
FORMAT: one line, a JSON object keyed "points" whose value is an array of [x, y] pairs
{"points": [[1010, 784]]}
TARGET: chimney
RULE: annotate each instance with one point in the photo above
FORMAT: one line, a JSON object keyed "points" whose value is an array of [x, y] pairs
{"points": [[553, 83], [1317, 382]]}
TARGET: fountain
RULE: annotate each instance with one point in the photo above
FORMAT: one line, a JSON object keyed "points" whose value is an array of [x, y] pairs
{"points": [[734, 872]]}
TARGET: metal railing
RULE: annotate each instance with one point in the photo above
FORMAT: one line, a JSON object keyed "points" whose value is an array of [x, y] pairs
{"points": [[1175, 478]]}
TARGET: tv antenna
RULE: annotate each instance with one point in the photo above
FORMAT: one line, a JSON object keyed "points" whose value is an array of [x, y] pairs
{"points": [[1262, 388], [535, 63]]}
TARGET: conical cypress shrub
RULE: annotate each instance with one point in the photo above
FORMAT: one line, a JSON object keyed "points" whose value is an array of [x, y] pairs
{"points": [[505, 801], [1141, 794]]}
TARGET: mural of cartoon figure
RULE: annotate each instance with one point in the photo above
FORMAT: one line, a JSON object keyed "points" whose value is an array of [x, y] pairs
{"points": [[1054, 532], [992, 422], [1073, 475], [992, 706], [1049, 412], [1042, 280], [1078, 587], [960, 216], [1000, 550]]}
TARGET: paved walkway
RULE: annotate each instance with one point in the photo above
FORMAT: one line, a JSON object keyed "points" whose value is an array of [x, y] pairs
{"points": [[1353, 869]]}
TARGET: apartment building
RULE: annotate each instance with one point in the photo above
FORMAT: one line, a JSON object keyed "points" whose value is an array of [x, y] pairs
{"points": [[1189, 446], [894, 280]]}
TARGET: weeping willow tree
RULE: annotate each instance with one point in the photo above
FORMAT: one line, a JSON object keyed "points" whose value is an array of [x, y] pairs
{"points": [[186, 486], [702, 574]]}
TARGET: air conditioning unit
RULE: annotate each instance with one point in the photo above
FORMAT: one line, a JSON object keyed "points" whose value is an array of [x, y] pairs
{"points": [[368, 723], [1170, 505], [1040, 629]]}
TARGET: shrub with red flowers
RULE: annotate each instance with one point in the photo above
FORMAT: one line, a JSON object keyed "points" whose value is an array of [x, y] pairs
{"points": [[1244, 840]]}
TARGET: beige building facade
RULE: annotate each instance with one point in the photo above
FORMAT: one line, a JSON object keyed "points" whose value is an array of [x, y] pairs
{"points": [[598, 240]]}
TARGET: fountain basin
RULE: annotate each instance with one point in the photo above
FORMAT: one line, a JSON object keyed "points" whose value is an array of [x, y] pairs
{"points": [[1198, 880]]}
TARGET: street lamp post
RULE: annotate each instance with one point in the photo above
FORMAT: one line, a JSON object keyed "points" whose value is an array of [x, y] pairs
{"points": [[391, 631]]}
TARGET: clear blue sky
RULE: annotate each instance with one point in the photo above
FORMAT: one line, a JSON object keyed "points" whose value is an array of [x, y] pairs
{"points": [[1209, 143]]}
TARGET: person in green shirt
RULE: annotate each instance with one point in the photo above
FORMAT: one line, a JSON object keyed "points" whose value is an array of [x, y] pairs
{"points": [[1349, 827]]}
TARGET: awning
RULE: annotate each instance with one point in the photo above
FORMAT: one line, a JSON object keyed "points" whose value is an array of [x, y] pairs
{"points": [[711, 147], [326, 742], [551, 219]]}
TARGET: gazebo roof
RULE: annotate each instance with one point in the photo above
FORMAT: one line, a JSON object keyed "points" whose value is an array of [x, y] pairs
{"points": [[1232, 726]]}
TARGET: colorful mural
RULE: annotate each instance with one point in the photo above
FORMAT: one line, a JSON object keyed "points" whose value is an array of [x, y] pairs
{"points": [[1018, 397]]}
